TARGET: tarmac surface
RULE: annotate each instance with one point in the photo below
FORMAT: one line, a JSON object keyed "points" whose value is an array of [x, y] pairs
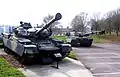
{"points": [[103, 60]]}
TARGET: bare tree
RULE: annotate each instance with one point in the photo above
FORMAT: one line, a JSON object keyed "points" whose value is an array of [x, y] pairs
{"points": [[111, 22], [116, 21], [79, 23], [95, 22], [108, 21]]}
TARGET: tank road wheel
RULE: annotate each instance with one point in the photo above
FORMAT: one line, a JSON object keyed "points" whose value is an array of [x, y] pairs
{"points": [[23, 59], [6, 50], [89, 44], [86, 44], [74, 43]]}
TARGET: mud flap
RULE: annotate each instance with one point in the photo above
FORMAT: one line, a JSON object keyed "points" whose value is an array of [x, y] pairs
{"points": [[65, 50]]}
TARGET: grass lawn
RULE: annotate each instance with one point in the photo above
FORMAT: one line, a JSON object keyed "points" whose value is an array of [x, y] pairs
{"points": [[105, 38], [100, 39], [62, 38], [6, 70]]}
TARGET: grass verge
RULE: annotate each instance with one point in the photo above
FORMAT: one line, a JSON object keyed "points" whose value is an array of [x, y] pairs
{"points": [[73, 55], [6, 70], [100, 39], [106, 39]]}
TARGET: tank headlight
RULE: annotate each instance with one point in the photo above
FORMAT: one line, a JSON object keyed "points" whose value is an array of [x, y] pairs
{"points": [[25, 52], [28, 33], [29, 51]]}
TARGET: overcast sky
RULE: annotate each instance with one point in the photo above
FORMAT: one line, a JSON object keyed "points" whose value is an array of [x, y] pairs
{"points": [[13, 11]]}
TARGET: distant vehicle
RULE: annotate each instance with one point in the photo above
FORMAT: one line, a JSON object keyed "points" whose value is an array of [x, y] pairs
{"points": [[79, 39], [101, 32], [32, 44]]}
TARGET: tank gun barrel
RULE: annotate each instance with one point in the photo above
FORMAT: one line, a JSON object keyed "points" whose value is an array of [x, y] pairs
{"points": [[58, 16]]}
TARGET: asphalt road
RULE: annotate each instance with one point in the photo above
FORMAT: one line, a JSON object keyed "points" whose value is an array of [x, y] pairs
{"points": [[67, 68], [103, 60]]}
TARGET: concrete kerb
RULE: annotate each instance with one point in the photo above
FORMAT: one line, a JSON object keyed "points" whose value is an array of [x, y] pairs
{"points": [[80, 63]]}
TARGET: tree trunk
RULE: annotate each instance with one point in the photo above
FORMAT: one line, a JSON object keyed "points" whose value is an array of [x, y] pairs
{"points": [[109, 29], [117, 30]]}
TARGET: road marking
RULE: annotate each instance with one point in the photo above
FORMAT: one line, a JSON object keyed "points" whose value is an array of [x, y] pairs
{"points": [[105, 63], [107, 73], [96, 53], [118, 54], [102, 57]]}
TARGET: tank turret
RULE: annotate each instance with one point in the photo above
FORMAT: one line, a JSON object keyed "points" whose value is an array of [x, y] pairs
{"points": [[26, 30], [21, 31]]}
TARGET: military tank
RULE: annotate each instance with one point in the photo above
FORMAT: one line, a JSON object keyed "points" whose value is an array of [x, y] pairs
{"points": [[77, 39], [32, 44]]}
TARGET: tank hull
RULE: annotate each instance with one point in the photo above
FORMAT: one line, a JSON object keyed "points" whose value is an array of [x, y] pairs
{"points": [[84, 42], [29, 53]]}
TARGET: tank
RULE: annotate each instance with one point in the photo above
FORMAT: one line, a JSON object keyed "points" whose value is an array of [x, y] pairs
{"points": [[77, 39], [32, 44]]}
